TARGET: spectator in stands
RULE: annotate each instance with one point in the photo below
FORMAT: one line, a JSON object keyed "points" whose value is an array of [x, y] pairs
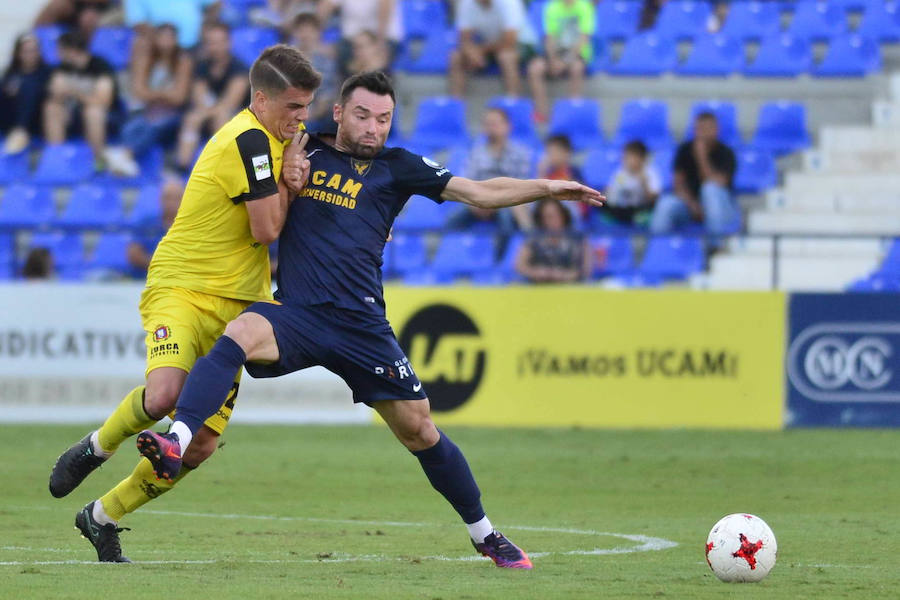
{"points": [[22, 90], [569, 26], [368, 54], [220, 88], [649, 12], [497, 156], [555, 252], [186, 16], [703, 174], [141, 250], [38, 264], [281, 13], [491, 31], [634, 188], [85, 84], [381, 17], [83, 16], [306, 34], [717, 17], [160, 84], [557, 163]]}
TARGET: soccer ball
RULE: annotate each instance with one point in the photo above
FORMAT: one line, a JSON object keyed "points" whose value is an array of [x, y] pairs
{"points": [[741, 548]]}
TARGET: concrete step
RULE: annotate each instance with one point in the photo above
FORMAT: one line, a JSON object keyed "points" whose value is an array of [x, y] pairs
{"points": [[874, 161], [806, 247], [886, 202], [848, 184], [736, 272], [785, 222], [861, 138]]}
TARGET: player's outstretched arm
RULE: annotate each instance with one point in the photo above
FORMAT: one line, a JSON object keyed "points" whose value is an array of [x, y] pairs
{"points": [[501, 192]]}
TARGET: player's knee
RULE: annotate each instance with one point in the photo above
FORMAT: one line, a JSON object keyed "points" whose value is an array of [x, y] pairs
{"points": [[243, 332], [537, 68], [160, 398], [201, 447], [419, 433]]}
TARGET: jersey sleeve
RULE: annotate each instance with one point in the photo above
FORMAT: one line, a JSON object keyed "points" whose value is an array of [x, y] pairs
{"points": [[414, 174], [248, 173]]}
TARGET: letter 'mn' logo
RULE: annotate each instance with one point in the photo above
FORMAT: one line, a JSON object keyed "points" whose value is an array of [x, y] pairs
{"points": [[446, 348]]}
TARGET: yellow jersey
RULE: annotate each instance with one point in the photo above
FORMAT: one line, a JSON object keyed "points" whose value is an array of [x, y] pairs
{"points": [[209, 247]]}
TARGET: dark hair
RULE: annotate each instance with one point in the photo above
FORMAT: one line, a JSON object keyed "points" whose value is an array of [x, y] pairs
{"points": [[543, 204], [15, 64], [706, 116], [280, 67], [307, 19], [374, 81], [637, 147], [559, 139], [38, 264], [211, 25], [74, 40]]}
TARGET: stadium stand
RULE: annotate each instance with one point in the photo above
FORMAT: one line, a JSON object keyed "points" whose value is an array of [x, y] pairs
{"points": [[646, 54], [646, 120], [752, 20], [781, 55], [713, 55], [26, 206], [782, 127], [92, 206], [682, 19], [849, 56], [579, 119], [815, 20]]}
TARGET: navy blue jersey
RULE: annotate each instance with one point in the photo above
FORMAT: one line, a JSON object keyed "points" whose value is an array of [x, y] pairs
{"points": [[331, 246]]}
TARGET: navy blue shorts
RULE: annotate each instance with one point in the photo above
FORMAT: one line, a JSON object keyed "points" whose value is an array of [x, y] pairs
{"points": [[359, 348]]}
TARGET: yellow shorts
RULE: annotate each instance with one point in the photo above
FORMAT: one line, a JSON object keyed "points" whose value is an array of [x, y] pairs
{"points": [[182, 325]]}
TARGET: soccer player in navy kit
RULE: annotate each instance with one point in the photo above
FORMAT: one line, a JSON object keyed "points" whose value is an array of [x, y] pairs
{"points": [[329, 309]]}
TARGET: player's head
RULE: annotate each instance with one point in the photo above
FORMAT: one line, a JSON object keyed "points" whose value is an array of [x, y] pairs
{"points": [[364, 113], [73, 49], [495, 123], [282, 85], [706, 127], [634, 154]]}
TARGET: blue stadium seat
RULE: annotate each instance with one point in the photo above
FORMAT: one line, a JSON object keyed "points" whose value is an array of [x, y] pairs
{"points": [[13, 167], [92, 205], [646, 54], [617, 19], [7, 257], [781, 128], [422, 214], [599, 165], [613, 255], [407, 252], [67, 249], [432, 55], [505, 270], [521, 118], [422, 17], [682, 19], [64, 164], [248, 42], [752, 20], [646, 120], [113, 44], [150, 165], [578, 118], [146, 209], [782, 55], [110, 252], [849, 56], [713, 55], [876, 283], [726, 115], [853, 5], [817, 20], [462, 255], [756, 171], [672, 257], [662, 160], [536, 19], [440, 124], [47, 36], [881, 21], [26, 205], [890, 266]]}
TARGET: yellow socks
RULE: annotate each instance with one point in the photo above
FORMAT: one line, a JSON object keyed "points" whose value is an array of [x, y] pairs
{"points": [[137, 489], [128, 419]]}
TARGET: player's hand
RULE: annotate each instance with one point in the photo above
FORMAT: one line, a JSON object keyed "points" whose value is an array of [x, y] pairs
{"points": [[295, 165], [572, 190]]}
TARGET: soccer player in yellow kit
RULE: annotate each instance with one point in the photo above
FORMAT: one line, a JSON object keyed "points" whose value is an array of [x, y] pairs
{"points": [[211, 264]]}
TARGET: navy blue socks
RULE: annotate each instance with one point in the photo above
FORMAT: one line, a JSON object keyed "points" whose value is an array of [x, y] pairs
{"points": [[449, 474], [209, 382]]}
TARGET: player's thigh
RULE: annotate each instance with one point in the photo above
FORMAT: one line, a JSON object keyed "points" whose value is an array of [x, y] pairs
{"points": [[169, 316], [255, 335]]}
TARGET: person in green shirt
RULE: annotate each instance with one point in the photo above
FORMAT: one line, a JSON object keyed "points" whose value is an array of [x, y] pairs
{"points": [[568, 28]]}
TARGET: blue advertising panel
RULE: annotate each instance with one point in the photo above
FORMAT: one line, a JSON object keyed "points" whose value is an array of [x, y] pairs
{"points": [[843, 360]]}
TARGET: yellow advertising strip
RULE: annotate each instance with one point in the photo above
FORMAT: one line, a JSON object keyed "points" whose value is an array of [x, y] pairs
{"points": [[562, 356]]}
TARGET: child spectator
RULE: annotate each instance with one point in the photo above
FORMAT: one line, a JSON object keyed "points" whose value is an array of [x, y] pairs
{"points": [[556, 163], [22, 92], [84, 84], [491, 31], [555, 252], [634, 188], [306, 34], [220, 88], [569, 26], [160, 83]]}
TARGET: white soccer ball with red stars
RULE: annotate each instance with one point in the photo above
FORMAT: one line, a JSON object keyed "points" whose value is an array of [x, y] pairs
{"points": [[741, 548]]}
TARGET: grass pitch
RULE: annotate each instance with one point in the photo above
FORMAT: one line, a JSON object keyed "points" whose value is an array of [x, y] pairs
{"points": [[345, 512]]}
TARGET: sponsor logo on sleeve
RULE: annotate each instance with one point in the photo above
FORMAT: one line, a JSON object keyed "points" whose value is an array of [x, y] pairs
{"points": [[261, 167]]}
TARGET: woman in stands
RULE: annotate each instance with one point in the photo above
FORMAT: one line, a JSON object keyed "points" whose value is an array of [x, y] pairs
{"points": [[555, 252], [160, 85], [22, 92]]}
